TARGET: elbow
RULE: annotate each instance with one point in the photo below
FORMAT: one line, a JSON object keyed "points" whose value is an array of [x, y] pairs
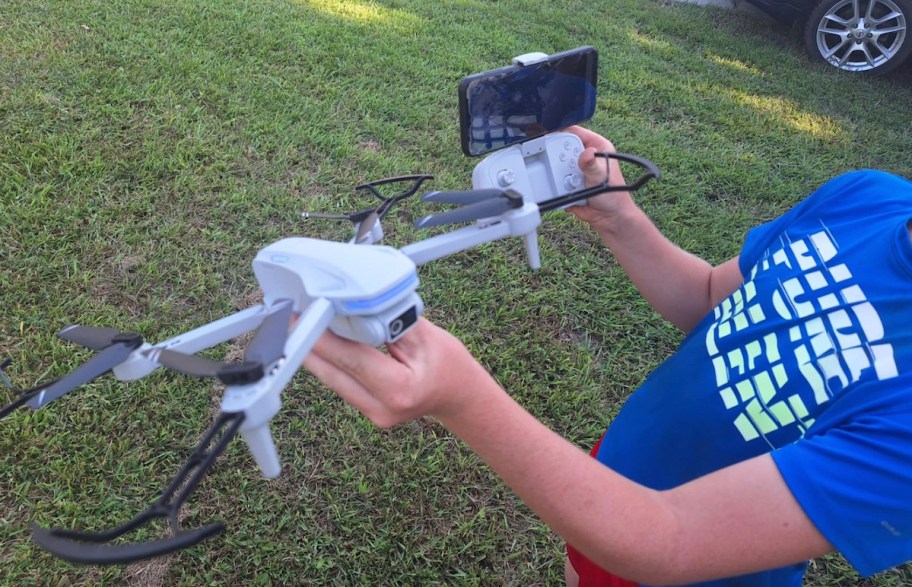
{"points": [[659, 553], [667, 565]]}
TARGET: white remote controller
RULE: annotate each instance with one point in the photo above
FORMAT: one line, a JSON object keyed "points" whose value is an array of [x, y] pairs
{"points": [[540, 169]]}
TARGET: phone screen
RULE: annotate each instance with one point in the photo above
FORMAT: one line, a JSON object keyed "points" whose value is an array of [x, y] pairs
{"points": [[515, 104]]}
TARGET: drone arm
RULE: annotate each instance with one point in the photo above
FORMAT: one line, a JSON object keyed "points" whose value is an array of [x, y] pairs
{"points": [[449, 243], [142, 362], [520, 221], [219, 331]]}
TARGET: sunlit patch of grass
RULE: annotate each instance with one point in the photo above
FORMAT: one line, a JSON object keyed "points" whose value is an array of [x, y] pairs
{"points": [[365, 12], [781, 110], [735, 64]]}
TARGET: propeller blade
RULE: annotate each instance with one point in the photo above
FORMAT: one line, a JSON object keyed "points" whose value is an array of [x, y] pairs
{"points": [[89, 336], [462, 198], [268, 344], [106, 359], [472, 212], [192, 365]]}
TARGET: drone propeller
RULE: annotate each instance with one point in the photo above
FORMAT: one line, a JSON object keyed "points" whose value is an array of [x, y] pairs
{"points": [[267, 346], [462, 198], [113, 346], [366, 227], [89, 336], [95, 548], [478, 204]]}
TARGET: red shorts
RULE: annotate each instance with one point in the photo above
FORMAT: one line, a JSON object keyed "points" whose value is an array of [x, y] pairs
{"points": [[591, 575]]}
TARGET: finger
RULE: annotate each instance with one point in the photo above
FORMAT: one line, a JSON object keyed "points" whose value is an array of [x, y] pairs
{"points": [[344, 385], [349, 355], [595, 169], [412, 341], [371, 368], [592, 139], [584, 213]]}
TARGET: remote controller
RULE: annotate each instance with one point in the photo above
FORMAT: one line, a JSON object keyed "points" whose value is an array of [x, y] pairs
{"points": [[540, 169]]}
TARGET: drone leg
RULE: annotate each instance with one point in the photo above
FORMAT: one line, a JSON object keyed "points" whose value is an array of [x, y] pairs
{"points": [[93, 547], [262, 447], [532, 256]]}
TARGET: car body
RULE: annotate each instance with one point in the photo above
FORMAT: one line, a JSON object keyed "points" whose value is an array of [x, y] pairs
{"points": [[788, 12]]}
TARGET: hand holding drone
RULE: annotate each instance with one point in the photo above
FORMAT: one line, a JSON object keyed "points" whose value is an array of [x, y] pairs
{"points": [[359, 290]]}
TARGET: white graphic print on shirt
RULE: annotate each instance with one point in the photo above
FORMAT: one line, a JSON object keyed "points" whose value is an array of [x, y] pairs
{"points": [[833, 341]]}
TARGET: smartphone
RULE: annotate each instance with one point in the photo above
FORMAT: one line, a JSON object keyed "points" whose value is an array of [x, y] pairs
{"points": [[513, 104]]}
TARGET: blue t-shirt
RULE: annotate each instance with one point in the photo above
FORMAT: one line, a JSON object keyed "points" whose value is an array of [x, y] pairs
{"points": [[810, 360]]}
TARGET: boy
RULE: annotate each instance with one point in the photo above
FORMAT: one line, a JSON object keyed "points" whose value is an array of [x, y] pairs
{"points": [[780, 430]]}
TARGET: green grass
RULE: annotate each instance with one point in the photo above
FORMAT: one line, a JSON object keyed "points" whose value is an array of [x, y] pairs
{"points": [[148, 149]]}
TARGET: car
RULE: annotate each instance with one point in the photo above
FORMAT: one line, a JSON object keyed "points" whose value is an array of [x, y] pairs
{"points": [[870, 37]]}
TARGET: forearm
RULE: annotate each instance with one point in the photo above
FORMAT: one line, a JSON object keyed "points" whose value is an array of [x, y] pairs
{"points": [[620, 525], [676, 283]]}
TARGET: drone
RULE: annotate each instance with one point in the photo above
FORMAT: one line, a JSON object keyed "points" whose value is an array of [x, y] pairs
{"points": [[313, 285]]}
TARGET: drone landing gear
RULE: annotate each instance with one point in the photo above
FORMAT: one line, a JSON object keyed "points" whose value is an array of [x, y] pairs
{"points": [[95, 548]]}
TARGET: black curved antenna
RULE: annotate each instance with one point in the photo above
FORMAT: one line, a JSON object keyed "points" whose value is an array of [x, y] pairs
{"points": [[96, 548]]}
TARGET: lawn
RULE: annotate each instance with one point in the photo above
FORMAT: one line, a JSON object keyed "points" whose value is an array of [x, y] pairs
{"points": [[148, 149]]}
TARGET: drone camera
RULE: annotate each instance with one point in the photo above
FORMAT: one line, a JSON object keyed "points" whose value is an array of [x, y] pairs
{"points": [[401, 323], [381, 327]]}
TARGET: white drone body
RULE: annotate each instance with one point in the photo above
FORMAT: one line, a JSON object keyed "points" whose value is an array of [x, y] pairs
{"points": [[363, 292]]}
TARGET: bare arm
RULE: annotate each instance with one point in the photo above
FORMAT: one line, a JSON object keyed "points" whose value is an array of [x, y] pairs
{"points": [[680, 286], [734, 521], [738, 520]]}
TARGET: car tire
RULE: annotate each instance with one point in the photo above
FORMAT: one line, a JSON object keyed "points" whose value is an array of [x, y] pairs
{"points": [[872, 37]]}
